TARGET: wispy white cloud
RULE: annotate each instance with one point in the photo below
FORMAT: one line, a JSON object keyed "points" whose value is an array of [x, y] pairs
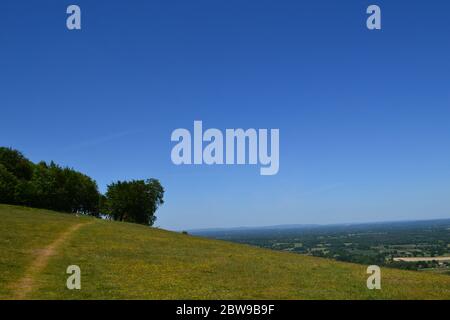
{"points": [[99, 140]]}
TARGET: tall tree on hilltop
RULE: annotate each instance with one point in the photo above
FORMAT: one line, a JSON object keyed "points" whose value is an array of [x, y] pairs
{"points": [[134, 201]]}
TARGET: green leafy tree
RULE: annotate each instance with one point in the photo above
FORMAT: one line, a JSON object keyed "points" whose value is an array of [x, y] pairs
{"points": [[45, 185], [8, 183], [16, 163], [134, 201], [64, 189]]}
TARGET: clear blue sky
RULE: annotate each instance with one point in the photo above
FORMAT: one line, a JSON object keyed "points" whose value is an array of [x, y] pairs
{"points": [[364, 116]]}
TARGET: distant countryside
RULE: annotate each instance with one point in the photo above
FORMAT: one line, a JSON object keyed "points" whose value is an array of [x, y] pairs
{"points": [[416, 245]]}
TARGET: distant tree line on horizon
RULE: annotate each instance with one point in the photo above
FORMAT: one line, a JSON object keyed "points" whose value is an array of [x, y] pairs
{"points": [[50, 186]]}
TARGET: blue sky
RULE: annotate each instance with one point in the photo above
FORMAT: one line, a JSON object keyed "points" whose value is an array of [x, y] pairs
{"points": [[364, 116]]}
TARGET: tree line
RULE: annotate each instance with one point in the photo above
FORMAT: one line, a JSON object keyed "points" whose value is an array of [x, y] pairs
{"points": [[50, 186]]}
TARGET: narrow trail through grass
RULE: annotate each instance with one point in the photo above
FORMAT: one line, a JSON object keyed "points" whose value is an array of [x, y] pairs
{"points": [[22, 288]]}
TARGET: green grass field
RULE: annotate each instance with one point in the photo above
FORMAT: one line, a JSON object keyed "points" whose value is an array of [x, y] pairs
{"points": [[126, 261]]}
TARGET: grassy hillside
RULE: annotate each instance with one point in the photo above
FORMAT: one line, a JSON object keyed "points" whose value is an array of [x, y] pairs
{"points": [[126, 261]]}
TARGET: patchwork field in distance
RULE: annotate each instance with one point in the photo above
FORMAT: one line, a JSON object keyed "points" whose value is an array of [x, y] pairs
{"points": [[411, 245]]}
